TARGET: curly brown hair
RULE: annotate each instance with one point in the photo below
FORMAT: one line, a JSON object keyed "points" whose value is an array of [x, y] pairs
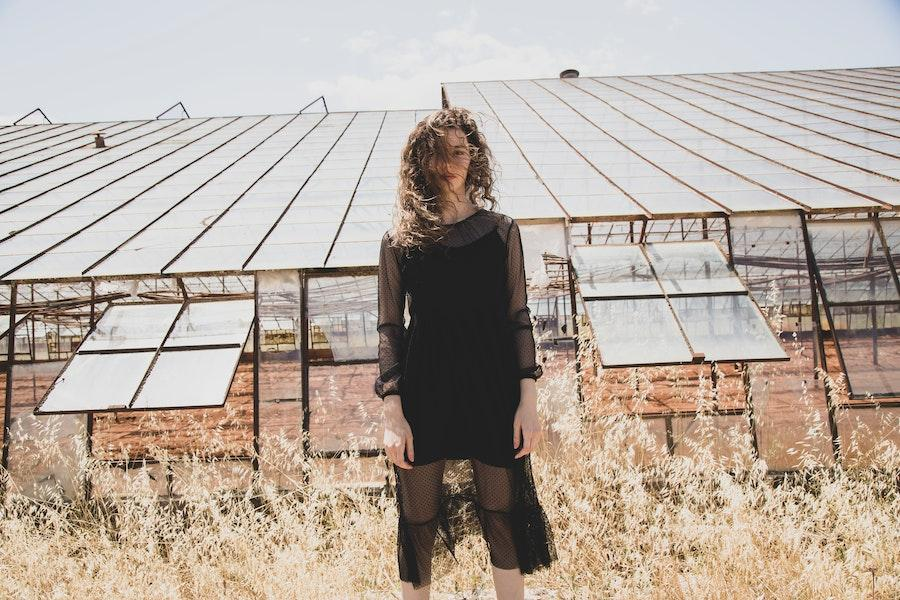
{"points": [[417, 220]]}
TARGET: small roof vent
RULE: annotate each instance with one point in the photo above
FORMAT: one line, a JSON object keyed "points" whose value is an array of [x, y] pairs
{"points": [[99, 140], [568, 74]]}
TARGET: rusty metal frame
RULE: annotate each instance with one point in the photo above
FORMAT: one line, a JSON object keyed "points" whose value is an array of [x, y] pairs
{"points": [[874, 221], [10, 361]]}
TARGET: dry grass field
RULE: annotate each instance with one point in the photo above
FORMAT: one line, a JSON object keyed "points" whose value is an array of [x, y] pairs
{"points": [[630, 520]]}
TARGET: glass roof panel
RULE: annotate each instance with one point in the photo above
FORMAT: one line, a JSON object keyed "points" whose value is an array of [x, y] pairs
{"points": [[692, 268], [352, 292], [891, 229], [219, 322], [538, 239], [289, 256], [639, 331], [727, 328], [852, 261], [130, 326], [189, 379], [97, 382], [867, 349], [613, 270]]}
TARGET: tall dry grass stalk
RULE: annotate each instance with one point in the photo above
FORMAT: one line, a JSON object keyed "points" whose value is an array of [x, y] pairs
{"points": [[630, 521]]}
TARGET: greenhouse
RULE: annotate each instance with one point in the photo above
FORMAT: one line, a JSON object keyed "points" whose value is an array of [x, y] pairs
{"points": [[737, 231]]}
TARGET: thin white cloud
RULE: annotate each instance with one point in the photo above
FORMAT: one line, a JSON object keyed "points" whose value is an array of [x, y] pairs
{"points": [[645, 7], [364, 42], [409, 71]]}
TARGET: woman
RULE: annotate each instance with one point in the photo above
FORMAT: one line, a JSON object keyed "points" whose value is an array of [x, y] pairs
{"points": [[459, 383]]}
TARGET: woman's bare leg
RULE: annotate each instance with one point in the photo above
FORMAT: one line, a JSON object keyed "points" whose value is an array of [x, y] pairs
{"points": [[509, 583], [410, 593]]}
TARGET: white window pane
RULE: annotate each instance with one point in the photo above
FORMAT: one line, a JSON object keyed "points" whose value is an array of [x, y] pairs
{"points": [[639, 331], [345, 310], [206, 323], [130, 326], [611, 270], [692, 268], [97, 382], [189, 378], [852, 261], [727, 328]]}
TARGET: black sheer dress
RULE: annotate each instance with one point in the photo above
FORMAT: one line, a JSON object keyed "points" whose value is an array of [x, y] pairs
{"points": [[457, 367]]}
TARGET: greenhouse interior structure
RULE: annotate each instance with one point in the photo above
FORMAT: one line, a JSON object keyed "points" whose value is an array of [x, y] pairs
{"points": [[737, 229]]}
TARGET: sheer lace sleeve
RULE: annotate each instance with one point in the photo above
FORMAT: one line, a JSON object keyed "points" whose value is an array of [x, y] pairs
{"points": [[519, 314], [391, 323]]}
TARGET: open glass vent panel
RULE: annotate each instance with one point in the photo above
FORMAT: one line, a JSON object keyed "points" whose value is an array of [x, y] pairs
{"points": [[154, 356], [669, 303]]}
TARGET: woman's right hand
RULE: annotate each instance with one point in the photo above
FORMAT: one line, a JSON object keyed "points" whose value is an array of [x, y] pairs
{"points": [[397, 433]]}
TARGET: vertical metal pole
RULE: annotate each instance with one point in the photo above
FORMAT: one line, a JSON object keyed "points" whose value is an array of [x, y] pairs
{"points": [[10, 360], [89, 417], [170, 479], [873, 314], [818, 355], [887, 251], [728, 241], [886, 248], [670, 436], [815, 285], [818, 337], [573, 303], [58, 336], [304, 364], [254, 461], [714, 384], [873, 310], [33, 332], [751, 414]]}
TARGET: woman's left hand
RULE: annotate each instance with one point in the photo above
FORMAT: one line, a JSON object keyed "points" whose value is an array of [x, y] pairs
{"points": [[526, 423]]}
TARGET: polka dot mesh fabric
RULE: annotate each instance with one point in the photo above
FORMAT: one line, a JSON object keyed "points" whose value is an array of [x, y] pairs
{"points": [[442, 503], [393, 292], [457, 366]]}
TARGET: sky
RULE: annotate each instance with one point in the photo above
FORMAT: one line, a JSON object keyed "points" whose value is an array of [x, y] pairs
{"points": [[102, 60]]}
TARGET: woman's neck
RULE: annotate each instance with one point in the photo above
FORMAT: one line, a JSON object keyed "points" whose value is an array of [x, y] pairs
{"points": [[457, 210]]}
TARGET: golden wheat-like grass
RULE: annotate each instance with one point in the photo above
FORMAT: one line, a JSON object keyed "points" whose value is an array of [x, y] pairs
{"points": [[629, 520]]}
